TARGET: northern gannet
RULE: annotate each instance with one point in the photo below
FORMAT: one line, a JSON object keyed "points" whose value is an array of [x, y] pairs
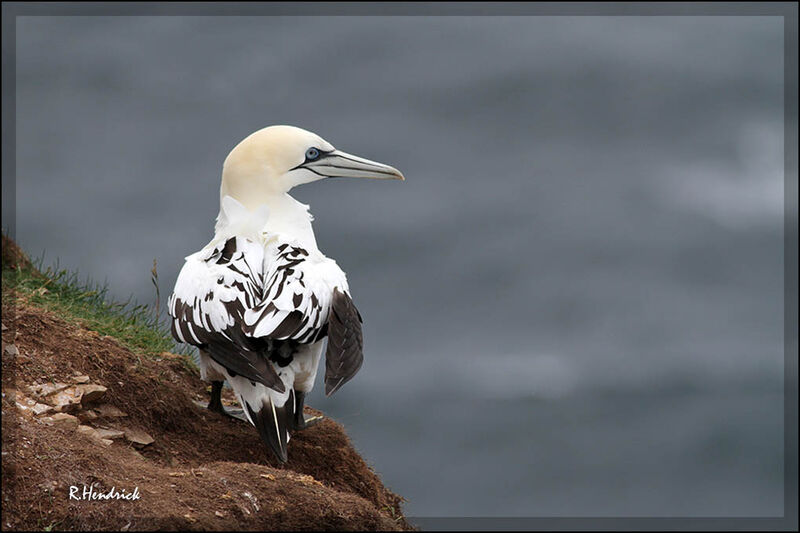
{"points": [[260, 298]]}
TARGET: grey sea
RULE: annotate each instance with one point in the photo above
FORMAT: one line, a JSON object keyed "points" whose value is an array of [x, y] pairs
{"points": [[573, 306]]}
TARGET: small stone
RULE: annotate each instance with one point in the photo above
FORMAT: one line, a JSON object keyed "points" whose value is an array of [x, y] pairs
{"points": [[306, 480], [46, 389], [219, 514], [91, 393], [3, 327], [81, 379], [138, 437], [87, 415], [268, 476], [12, 350], [49, 486], [24, 409], [62, 420], [108, 411], [94, 435], [88, 431], [110, 433], [23, 402], [41, 408], [67, 400]]}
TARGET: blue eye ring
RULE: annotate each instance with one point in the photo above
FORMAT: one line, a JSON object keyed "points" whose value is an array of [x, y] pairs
{"points": [[312, 154]]}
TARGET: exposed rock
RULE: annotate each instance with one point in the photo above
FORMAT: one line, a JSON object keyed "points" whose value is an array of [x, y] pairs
{"points": [[41, 408], [24, 409], [87, 415], [91, 392], [110, 433], [47, 389], [94, 434], [61, 420], [89, 431], [22, 400], [24, 404], [67, 400], [108, 411], [138, 437], [81, 379]]}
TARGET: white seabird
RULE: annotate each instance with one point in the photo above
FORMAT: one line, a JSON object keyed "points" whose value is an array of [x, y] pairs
{"points": [[260, 298]]}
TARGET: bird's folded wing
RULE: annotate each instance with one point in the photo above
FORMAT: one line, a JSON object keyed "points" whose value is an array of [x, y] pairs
{"points": [[305, 299], [296, 297], [345, 352], [234, 299], [214, 290]]}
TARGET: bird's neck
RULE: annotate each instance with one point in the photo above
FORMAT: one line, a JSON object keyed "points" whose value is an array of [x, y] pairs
{"points": [[274, 214], [291, 218]]}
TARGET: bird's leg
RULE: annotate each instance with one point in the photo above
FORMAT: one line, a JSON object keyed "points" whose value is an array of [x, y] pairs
{"points": [[215, 404], [300, 421]]}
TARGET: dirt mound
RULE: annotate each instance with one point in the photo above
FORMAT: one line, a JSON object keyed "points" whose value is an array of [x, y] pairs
{"points": [[13, 256], [201, 470]]}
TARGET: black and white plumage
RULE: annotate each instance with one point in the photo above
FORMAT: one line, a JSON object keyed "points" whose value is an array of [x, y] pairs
{"points": [[260, 299]]}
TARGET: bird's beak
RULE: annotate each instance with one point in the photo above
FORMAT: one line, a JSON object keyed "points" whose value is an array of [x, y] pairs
{"points": [[338, 164]]}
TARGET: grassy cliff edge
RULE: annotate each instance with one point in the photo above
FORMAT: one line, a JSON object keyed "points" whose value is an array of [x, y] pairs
{"points": [[94, 397]]}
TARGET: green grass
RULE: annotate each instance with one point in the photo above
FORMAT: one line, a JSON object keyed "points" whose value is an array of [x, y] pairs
{"points": [[61, 291]]}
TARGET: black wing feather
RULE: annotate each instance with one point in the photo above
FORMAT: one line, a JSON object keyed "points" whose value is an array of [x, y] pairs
{"points": [[239, 354], [345, 352]]}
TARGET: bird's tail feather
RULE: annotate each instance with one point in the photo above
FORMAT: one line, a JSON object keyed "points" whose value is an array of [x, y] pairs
{"points": [[273, 422]]}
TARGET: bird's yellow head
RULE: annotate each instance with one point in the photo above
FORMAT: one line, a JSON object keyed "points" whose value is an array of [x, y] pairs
{"points": [[275, 159]]}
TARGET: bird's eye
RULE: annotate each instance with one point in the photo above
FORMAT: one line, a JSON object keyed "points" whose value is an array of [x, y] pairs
{"points": [[312, 154]]}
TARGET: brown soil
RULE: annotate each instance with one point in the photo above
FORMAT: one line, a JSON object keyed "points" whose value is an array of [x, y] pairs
{"points": [[13, 256], [202, 472]]}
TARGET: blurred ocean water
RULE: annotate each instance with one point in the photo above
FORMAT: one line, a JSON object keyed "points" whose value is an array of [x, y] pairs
{"points": [[573, 306]]}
